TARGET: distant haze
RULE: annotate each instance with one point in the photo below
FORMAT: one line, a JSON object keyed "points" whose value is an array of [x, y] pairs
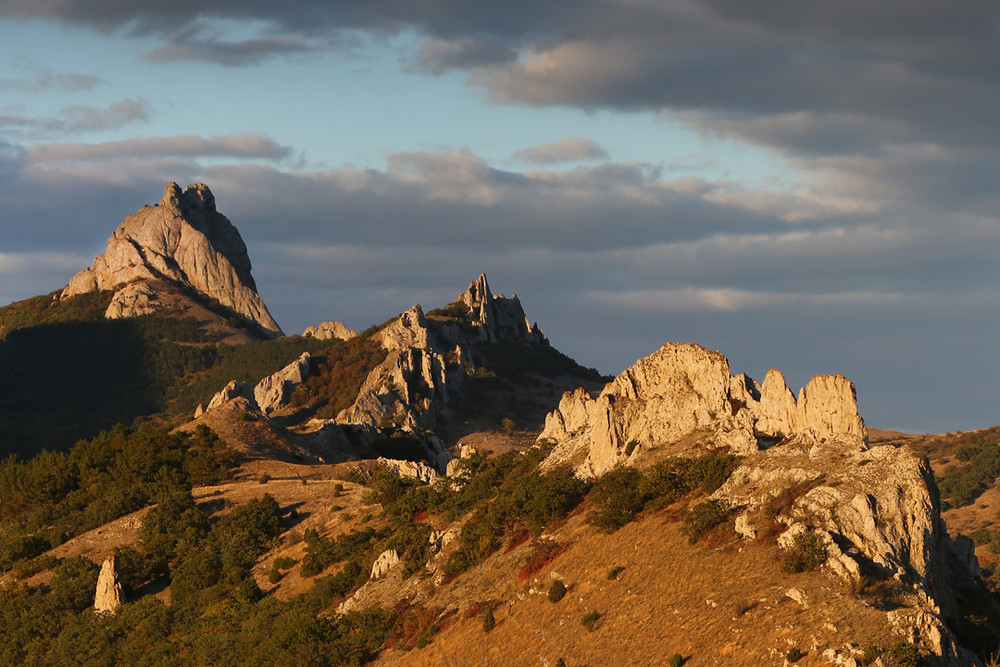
{"points": [[809, 187]]}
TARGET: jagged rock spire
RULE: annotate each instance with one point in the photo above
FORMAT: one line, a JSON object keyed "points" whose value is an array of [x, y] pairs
{"points": [[183, 239]]}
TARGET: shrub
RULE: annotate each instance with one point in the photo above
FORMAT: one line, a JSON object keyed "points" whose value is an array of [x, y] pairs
{"points": [[615, 571], [590, 619], [903, 654], [557, 591], [616, 498], [489, 622], [675, 660], [264, 479], [794, 655], [807, 553], [703, 517]]}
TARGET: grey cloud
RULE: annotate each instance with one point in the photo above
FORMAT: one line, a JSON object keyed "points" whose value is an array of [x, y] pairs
{"points": [[570, 149], [440, 56], [43, 79], [884, 300], [199, 42], [80, 118], [233, 145]]}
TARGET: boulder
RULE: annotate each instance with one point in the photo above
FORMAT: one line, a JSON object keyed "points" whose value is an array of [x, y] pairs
{"points": [[275, 390], [133, 300]]}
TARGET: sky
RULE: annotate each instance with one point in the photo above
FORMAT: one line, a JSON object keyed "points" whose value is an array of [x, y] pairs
{"points": [[803, 185]]}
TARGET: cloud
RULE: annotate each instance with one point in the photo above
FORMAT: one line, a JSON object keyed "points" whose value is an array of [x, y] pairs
{"points": [[620, 252], [44, 79], [201, 43], [80, 118], [572, 149], [231, 146], [440, 56]]}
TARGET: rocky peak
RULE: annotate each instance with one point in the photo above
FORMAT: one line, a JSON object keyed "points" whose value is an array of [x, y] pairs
{"points": [[182, 239], [497, 318]]}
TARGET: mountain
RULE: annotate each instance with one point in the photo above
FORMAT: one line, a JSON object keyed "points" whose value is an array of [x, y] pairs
{"points": [[448, 488], [184, 241]]}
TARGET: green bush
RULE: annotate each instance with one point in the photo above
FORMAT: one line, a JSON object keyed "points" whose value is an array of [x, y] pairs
{"points": [[794, 655], [590, 619], [615, 571], [703, 517], [557, 591], [489, 622], [904, 654], [808, 552], [675, 660]]}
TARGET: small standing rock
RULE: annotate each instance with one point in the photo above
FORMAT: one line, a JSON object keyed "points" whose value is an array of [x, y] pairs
{"points": [[109, 588]]}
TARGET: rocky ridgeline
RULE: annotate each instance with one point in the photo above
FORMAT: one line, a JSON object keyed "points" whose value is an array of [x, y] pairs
{"points": [[684, 390], [430, 355], [184, 240], [807, 468], [428, 358]]}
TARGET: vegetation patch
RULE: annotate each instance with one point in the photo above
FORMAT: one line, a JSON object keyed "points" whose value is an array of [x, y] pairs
{"points": [[807, 552], [703, 517], [621, 494], [961, 485]]}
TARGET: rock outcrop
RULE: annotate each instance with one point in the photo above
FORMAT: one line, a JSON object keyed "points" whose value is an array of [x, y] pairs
{"points": [[109, 589], [385, 562], [271, 393], [685, 391], [496, 317], [427, 355], [876, 511], [182, 239], [330, 329], [274, 391]]}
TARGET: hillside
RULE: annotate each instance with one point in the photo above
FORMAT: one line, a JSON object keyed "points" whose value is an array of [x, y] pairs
{"points": [[448, 488]]}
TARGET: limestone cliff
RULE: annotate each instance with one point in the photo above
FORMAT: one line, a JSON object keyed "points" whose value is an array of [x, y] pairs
{"points": [[182, 239], [684, 390]]}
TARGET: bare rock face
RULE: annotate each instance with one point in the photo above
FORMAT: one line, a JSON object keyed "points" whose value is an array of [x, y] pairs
{"points": [[682, 391], [133, 300], [875, 510], [182, 239], [330, 329], [417, 470], [271, 393], [385, 562], [109, 589], [274, 391]]}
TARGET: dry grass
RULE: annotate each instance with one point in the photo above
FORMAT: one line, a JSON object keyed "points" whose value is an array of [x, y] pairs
{"points": [[719, 602]]}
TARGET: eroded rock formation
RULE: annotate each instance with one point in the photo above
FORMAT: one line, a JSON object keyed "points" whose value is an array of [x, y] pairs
{"points": [[182, 239], [686, 391], [109, 593], [271, 393], [330, 329]]}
